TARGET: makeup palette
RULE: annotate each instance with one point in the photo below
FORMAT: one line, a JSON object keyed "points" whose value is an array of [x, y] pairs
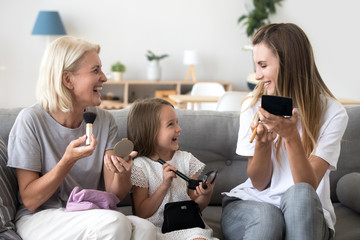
{"points": [[123, 148]]}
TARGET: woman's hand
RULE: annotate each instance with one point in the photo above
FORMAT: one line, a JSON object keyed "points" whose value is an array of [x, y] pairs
{"points": [[76, 150], [118, 165], [117, 173], [283, 126], [263, 134]]}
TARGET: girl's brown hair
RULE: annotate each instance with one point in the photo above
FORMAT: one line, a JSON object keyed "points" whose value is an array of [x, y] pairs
{"points": [[298, 77], [143, 124]]}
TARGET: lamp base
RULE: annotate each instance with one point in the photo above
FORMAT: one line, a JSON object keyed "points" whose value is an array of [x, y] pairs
{"points": [[191, 71]]}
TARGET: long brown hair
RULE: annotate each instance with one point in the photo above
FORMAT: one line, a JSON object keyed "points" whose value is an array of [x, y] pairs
{"points": [[298, 77], [143, 124]]}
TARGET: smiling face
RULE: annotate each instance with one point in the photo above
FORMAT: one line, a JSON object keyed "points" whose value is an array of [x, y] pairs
{"points": [[267, 67], [167, 141], [85, 84]]}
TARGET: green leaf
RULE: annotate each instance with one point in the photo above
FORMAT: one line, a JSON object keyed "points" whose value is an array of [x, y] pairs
{"points": [[259, 16], [242, 18], [118, 67], [151, 56]]}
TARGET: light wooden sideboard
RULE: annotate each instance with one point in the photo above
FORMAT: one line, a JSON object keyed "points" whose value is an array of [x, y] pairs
{"points": [[122, 89]]}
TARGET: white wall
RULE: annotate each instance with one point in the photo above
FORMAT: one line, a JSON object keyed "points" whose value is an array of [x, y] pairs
{"points": [[126, 29]]}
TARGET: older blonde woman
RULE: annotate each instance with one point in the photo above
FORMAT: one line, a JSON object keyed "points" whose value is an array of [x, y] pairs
{"points": [[47, 148]]}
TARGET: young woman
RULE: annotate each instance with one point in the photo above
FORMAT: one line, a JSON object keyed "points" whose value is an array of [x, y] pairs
{"points": [[47, 148], [287, 194], [153, 127]]}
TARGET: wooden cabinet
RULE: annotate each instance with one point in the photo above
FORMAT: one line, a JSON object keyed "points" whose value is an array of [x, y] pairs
{"points": [[125, 92]]}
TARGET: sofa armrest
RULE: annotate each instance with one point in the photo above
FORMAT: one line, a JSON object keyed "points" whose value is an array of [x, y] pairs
{"points": [[348, 190]]}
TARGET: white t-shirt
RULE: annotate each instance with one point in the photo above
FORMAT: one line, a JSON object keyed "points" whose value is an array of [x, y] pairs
{"points": [[333, 123], [37, 142]]}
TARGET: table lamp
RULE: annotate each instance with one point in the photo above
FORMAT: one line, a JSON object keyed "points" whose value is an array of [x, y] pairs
{"points": [[190, 59], [48, 23]]}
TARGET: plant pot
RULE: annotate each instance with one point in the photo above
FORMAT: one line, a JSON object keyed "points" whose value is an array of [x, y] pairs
{"points": [[154, 71], [117, 76]]}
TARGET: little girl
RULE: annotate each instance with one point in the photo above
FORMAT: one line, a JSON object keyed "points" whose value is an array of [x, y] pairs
{"points": [[154, 129]]}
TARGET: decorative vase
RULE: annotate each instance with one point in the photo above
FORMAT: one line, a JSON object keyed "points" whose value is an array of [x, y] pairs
{"points": [[154, 71], [117, 76]]}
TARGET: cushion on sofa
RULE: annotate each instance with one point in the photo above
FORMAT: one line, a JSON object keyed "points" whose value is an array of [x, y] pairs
{"points": [[348, 190], [9, 235], [8, 190]]}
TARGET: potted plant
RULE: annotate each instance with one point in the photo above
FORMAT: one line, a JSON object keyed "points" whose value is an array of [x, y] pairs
{"points": [[117, 70], [259, 16], [151, 56], [256, 18], [154, 69]]}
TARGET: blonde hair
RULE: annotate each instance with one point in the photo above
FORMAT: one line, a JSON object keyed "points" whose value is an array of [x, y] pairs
{"points": [[298, 77], [143, 124], [63, 54]]}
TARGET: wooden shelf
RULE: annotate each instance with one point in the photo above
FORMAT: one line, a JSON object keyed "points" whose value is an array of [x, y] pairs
{"points": [[178, 86], [345, 101], [112, 104]]}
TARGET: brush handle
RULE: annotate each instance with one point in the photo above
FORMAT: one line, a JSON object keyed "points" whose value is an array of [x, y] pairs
{"points": [[254, 133], [89, 131], [176, 172], [89, 118]]}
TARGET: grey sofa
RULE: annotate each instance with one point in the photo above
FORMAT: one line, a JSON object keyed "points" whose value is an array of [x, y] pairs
{"points": [[211, 136]]}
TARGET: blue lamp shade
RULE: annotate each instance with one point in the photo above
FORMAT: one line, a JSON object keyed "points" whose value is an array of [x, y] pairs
{"points": [[48, 23]]}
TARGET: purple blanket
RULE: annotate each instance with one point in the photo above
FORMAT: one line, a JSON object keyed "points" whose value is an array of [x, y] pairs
{"points": [[91, 199]]}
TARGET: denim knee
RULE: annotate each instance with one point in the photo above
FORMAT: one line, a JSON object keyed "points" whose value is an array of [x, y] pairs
{"points": [[299, 197], [303, 213], [251, 220]]}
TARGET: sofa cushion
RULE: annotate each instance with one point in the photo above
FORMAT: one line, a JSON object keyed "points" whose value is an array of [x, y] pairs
{"points": [[9, 235], [348, 190], [350, 151], [8, 191], [7, 116]]}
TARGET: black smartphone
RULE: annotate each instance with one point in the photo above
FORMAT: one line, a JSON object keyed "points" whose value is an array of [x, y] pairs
{"points": [[209, 177], [277, 105]]}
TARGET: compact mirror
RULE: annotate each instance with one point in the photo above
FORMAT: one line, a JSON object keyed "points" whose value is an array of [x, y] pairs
{"points": [[123, 148], [209, 177]]}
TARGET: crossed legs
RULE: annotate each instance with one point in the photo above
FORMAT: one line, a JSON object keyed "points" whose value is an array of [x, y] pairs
{"points": [[300, 216]]}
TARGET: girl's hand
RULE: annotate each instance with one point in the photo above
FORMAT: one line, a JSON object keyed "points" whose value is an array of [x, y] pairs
{"points": [[168, 174], [283, 126], [202, 196], [119, 165], [200, 191], [76, 150]]}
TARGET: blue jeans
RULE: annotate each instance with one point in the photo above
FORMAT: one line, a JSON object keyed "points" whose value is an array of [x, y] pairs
{"points": [[300, 216]]}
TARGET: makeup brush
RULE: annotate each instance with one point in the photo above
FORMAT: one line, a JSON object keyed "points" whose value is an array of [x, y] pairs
{"points": [[89, 118], [192, 184]]}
